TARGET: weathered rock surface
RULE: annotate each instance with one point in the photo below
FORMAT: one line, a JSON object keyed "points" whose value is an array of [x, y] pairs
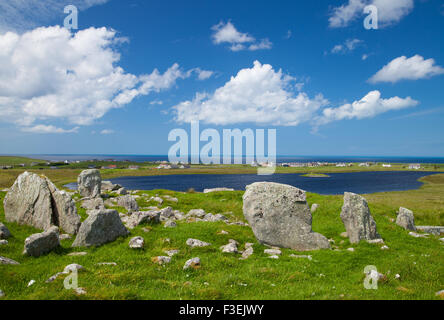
{"points": [[102, 226], [3, 242], [406, 219], [231, 247], [192, 263], [4, 260], [89, 183], [435, 230], [42, 243], [34, 200], [193, 243], [197, 213], [279, 216], [93, 204], [166, 214], [4, 232], [141, 217], [314, 207], [170, 224], [357, 219], [161, 260], [122, 191], [273, 252], [137, 243], [248, 251], [128, 202], [109, 186]]}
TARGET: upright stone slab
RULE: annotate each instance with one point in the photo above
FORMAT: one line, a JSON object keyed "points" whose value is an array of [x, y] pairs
{"points": [[357, 219], [406, 219], [279, 216], [102, 226], [89, 183]]}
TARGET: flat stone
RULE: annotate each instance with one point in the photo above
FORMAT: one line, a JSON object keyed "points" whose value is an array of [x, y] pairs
{"points": [[161, 260], [4, 260], [192, 263], [273, 251], [193, 243], [137, 243], [435, 230], [42, 243]]}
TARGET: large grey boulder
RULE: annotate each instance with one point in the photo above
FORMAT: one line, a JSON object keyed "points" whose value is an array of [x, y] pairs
{"points": [[128, 202], [102, 226], [89, 183], [4, 232], [42, 243], [357, 219], [279, 216], [406, 219], [34, 200]]}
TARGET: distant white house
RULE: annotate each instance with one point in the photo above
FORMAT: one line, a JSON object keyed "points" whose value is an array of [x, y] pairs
{"points": [[364, 164], [341, 165], [415, 166], [386, 165]]}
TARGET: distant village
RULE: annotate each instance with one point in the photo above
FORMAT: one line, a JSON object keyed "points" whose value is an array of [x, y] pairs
{"points": [[110, 164]]}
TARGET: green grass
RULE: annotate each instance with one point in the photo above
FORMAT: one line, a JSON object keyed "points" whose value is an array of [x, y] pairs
{"points": [[330, 275], [316, 175], [11, 160]]}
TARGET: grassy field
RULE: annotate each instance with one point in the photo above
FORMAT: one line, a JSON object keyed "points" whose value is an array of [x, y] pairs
{"points": [[10, 160], [332, 274]]}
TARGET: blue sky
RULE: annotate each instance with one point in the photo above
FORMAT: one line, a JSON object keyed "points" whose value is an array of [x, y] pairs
{"points": [[307, 68]]}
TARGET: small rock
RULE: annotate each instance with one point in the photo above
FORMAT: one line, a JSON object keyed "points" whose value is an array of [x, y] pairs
{"points": [[417, 235], [301, 256], [223, 232], [198, 213], [384, 248], [146, 230], [4, 260], [397, 276], [170, 224], [30, 283], [158, 200], [192, 263], [248, 251], [274, 257], [344, 234], [122, 191], [161, 260], [107, 264], [52, 278], [441, 239], [4, 232], [193, 243], [314, 207], [376, 241], [137, 243], [351, 249], [2, 294], [3, 242], [231, 247], [77, 254], [65, 236], [273, 251], [41, 243]]}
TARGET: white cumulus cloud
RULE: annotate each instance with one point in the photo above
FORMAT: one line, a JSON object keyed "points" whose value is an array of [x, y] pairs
{"points": [[227, 33], [403, 68], [41, 128], [369, 106], [347, 46], [389, 11], [51, 74], [258, 95]]}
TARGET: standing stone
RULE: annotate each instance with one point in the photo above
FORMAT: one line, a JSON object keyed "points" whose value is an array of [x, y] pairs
{"points": [[4, 232], [102, 226], [42, 243], [29, 202], [279, 216], [357, 219], [89, 183], [34, 200], [406, 219]]}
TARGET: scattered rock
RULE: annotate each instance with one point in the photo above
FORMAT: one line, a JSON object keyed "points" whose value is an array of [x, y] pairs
{"points": [[197, 213], [231, 247], [170, 198], [141, 217], [77, 254], [217, 190], [4, 260], [30, 283], [406, 219], [274, 257], [157, 199], [385, 248], [279, 216], [2, 294], [107, 264], [222, 232], [42, 243], [109, 186], [122, 191], [102, 226], [357, 219], [376, 241], [93, 204], [161, 260], [344, 235], [440, 294], [166, 214], [417, 235], [397, 276], [193, 243], [65, 236], [170, 224], [34, 200], [435, 230], [248, 251], [3, 242], [192, 263], [273, 252], [128, 202], [351, 249], [54, 277], [441, 239], [80, 291], [4, 232], [89, 183], [215, 217], [137, 243], [314, 207]]}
